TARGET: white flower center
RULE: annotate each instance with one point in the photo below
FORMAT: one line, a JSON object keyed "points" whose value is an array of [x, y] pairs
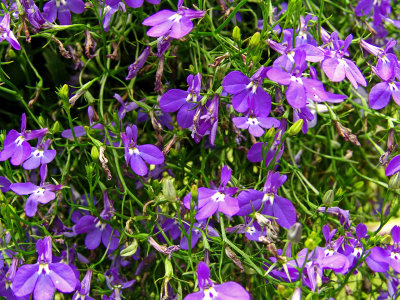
{"points": [[393, 87], [269, 198], [210, 294], [19, 140], [45, 267], [296, 79], [218, 197], [39, 191], [290, 55], [100, 225], [395, 255], [175, 18], [357, 252], [134, 151], [252, 121], [329, 252], [38, 153], [252, 86], [251, 230]]}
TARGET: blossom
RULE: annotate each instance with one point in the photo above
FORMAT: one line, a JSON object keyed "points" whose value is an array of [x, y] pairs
{"points": [[39, 155], [110, 8], [16, 146], [82, 292], [270, 203], [206, 121], [135, 67], [80, 130], [125, 106], [196, 234], [183, 101], [174, 24], [137, 155], [7, 34], [139, 3], [44, 277], [248, 92], [116, 284], [6, 282], [44, 193], [393, 166], [97, 229], [62, 8], [209, 290], [33, 13], [211, 201]]}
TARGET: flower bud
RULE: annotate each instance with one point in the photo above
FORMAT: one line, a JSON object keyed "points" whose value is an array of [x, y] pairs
{"points": [[296, 127], [130, 250], [328, 198], [394, 181], [310, 244], [41, 121], [169, 191], [63, 92], [294, 233], [263, 221], [169, 270], [255, 40], [55, 128], [270, 133], [236, 34], [101, 277], [94, 153]]}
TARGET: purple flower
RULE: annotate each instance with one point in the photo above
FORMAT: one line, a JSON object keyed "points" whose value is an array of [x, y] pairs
{"points": [[270, 203], [381, 259], [344, 215], [248, 92], [196, 233], [110, 8], [393, 166], [211, 201], [62, 8], [43, 193], [135, 67], [16, 145], [97, 229], [209, 290], [251, 229], [7, 34], [354, 249], [137, 155], [174, 24], [82, 292], [44, 277], [80, 130], [183, 101], [298, 86], [336, 67], [4, 184], [33, 13], [207, 122], [139, 3], [6, 282], [125, 106], [39, 155], [116, 283]]}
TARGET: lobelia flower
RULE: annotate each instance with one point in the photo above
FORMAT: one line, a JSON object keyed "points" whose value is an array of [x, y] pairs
{"points": [[381, 11], [206, 121], [109, 9], [16, 146], [139, 3], [305, 114], [393, 166], [39, 155], [97, 229], [298, 86], [209, 290], [4, 184], [116, 283], [137, 155], [183, 101], [248, 92], [44, 277], [125, 106], [6, 282], [211, 201], [380, 259], [336, 67], [135, 67], [33, 13], [80, 131], [44, 193], [170, 23], [354, 249], [7, 34], [270, 203], [344, 215], [251, 229], [196, 233], [82, 292], [380, 94], [62, 8]]}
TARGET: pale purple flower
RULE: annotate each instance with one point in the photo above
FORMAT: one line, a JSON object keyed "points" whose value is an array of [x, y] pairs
{"points": [[16, 146], [44, 277], [33, 13], [6, 282], [343, 215], [196, 233], [80, 131], [137, 155], [62, 8], [210, 290], [170, 23], [116, 284], [125, 106], [39, 155], [183, 101], [44, 193], [207, 123], [268, 201], [82, 292], [97, 229], [109, 9], [135, 67], [251, 229], [139, 3], [7, 34], [393, 166]]}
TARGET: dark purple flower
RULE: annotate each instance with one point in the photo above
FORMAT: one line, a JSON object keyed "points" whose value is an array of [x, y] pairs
{"points": [[116, 284], [170, 23], [211, 201], [139, 3], [4, 184], [183, 101], [16, 145], [343, 215], [33, 13], [97, 229], [137, 155], [270, 203], [207, 122], [209, 290], [354, 249], [393, 166], [82, 292], [44, 277], [44, 193], [62, 8], [135, 67], [7, 34], [6, 282], [248, 92]]}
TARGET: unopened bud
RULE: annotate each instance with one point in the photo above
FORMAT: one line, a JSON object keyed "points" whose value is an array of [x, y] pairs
{"points": [[296, 127], [255, 40], [263, 221], [394, 181], [310, 244], [236, 34], [169, 189], [130, 250], [55, 128], [294, 233], [101, 277], [270, 133], [94, 153], [41, 121], [328, 198], [193, 192], [169, 270], [63, 92]]}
